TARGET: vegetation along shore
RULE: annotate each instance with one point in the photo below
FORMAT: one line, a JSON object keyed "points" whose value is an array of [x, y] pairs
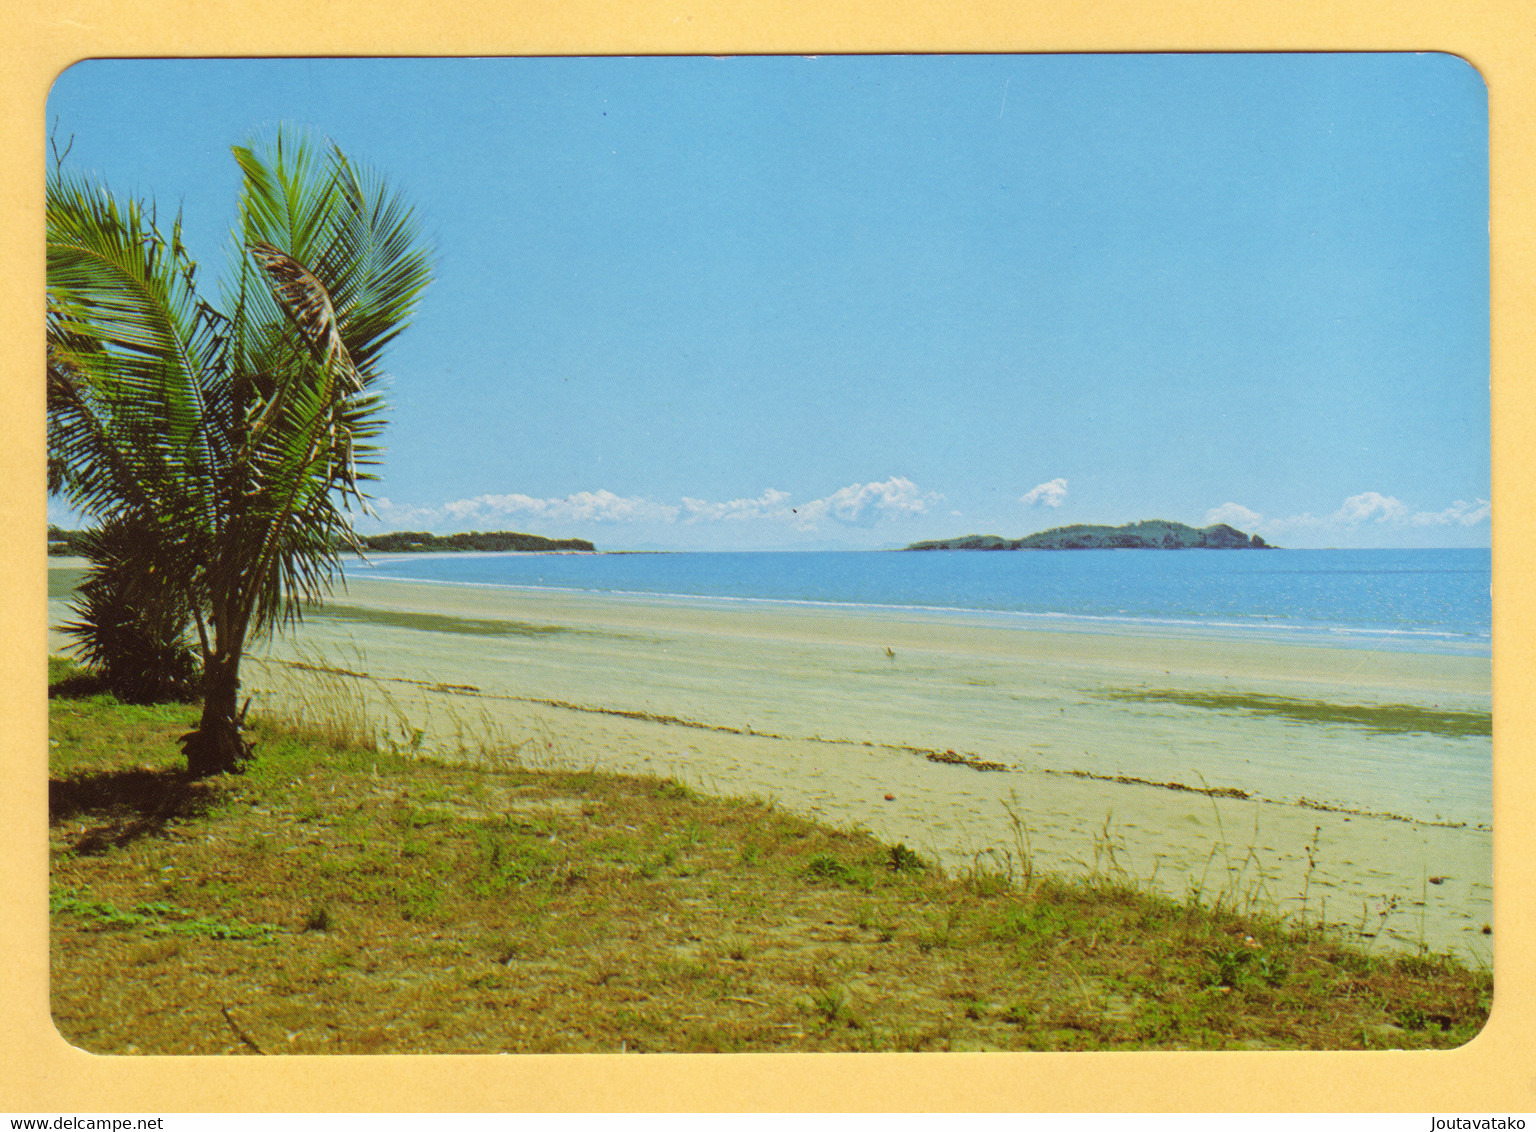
{"points": [[63, 542]]}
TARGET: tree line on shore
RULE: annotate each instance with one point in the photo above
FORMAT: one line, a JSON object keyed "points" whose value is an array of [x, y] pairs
{"points": [[402, 542], [77, 543]]}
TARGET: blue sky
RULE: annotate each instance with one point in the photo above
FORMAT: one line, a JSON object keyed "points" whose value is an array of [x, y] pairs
{"points": [[857, 301]]}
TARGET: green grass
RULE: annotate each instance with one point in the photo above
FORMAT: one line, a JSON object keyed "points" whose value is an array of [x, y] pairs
{"points": [[1384, 718], [349, 899], [157, 916]]}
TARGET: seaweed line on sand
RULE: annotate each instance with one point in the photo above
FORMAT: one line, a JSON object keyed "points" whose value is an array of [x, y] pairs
{"points": [[1128, 780], [949, 757], [1235, 792], [1312, 804]]}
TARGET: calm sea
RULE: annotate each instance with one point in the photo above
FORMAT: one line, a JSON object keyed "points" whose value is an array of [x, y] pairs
{"points": [[1412, 600]]}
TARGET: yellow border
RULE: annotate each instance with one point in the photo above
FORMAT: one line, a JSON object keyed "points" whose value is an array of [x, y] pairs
{"points": [[39, 1072]]}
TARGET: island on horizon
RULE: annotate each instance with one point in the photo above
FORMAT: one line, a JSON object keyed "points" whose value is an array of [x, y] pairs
{"points": [[1149, 534]]}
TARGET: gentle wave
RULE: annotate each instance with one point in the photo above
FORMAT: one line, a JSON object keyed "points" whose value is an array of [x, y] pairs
{"points": [[1260, 626]]}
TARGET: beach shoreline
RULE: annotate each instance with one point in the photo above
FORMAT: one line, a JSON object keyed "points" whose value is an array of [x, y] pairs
{"points": [[830, 711], [790, 583]]}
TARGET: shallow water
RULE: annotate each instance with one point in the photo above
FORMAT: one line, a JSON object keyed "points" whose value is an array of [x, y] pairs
{"points": [[1413, 600]]}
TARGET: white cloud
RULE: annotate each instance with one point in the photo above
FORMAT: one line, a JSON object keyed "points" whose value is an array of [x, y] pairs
{"points": [[400, 515], [1355, 518], [1462, 512], [1371, 505], [1050, 493], [1379, 508], [581, 507], [1233, 514], [859, 503], [864, 502], [766, 505]]}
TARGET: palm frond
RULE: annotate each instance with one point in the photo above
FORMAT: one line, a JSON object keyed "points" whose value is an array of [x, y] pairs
{"points": [[329, 269], [309, 304], [132, 352]]}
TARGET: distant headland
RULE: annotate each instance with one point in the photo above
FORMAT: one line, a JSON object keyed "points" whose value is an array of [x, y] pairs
{"points": [[398, 542], [407, 542], [1149, 534]]}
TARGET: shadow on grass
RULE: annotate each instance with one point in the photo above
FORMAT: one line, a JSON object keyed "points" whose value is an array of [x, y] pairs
{"points": [[126, 804], [78, 685]]}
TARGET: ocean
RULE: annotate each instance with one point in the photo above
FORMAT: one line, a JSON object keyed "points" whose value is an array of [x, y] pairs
{"points": [[1430, 601]]}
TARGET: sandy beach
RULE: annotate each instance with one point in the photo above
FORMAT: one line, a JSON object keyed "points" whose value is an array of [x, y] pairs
{"points": [[828, 710]]}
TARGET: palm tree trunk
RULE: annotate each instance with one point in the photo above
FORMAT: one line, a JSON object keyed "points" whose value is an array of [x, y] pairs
{"points": [[217, 746]]}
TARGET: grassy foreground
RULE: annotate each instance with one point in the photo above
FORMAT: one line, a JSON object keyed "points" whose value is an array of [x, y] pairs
{"points": [[341, 899]]}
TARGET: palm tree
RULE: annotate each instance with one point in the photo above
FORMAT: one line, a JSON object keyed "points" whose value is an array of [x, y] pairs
{"points": [[235, 438]]}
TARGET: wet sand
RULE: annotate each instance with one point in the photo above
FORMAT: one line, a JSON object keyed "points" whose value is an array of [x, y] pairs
{"points": [[827, 710]]}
